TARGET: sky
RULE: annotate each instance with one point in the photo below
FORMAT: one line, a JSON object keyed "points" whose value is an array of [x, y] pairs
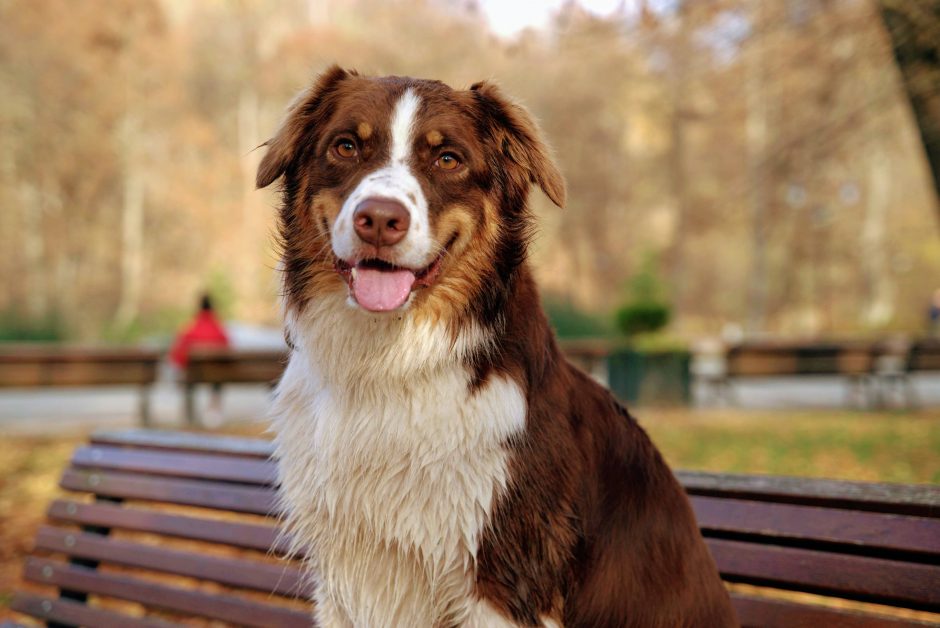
{"points": [[508, 17]]}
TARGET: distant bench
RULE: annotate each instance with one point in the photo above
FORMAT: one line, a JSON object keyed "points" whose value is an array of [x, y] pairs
{"points": [[133, 496], [217, 367], [922, 356], [855, 361], [35, 367], [859, 363]]}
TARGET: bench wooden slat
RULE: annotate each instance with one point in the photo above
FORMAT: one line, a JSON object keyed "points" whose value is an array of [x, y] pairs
{"points": [[924, 355], [814, 358], [238, 534], [208, 365], [281, 579], [186, 441], [178, 464], [756, 612], [213, 605], [919, 500], [55, 354], [216, 495], [876, 580], [878, 533], [78, 614], [30, 366]]}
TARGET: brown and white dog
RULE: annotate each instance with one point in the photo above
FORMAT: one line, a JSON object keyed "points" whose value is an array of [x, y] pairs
{"points": [[442, 460]]}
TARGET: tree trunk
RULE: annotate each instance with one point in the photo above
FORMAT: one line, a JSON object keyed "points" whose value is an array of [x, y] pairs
{"points": [[132, 247], [914, 27], [879, 291], [249, 134], [678, 175], [34, 251], [756, 134]]}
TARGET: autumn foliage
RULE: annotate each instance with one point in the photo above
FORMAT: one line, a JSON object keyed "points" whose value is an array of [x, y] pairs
{"points": [[765, 153]]}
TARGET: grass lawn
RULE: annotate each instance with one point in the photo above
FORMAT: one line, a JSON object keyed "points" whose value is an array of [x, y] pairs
{"points": [[870, 446], [864, 446]]}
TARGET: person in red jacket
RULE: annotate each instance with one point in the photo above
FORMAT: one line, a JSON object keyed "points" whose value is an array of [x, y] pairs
{"points": [[205, 330]]}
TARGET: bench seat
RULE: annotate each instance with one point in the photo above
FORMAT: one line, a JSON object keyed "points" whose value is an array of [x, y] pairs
{"points": [[159, 528]]}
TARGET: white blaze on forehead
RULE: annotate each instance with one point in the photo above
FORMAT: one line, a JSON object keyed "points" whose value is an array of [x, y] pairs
{"points": [[403, 122], [392, 180]]}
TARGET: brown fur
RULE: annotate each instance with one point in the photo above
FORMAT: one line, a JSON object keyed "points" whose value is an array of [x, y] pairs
{"points": [[593, 530]]}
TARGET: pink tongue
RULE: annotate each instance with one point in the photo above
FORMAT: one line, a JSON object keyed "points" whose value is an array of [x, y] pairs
{"points": [[382, 290]]}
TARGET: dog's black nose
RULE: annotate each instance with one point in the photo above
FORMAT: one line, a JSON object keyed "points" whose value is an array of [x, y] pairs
{"points": [[381, 221]]}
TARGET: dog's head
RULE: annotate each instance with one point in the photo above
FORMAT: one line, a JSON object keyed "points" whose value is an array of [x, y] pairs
{"points": [[404, 194]]}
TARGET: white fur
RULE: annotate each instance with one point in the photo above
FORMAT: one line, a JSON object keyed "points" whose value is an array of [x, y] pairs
{"points": [[482, 614], [389, 464], [403, 123], [392, 181]]}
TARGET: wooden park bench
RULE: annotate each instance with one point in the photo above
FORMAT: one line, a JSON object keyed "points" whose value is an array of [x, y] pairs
{"points": [[30, 366], [219, 366], [161, 527], [855, 361]]}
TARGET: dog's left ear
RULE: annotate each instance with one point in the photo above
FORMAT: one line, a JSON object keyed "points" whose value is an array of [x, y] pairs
{"points": [[521, 141], [301, 114]]}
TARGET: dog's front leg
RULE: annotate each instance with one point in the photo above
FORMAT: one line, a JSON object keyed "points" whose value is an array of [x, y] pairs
{"points": [[484, 615], [327, 614]]}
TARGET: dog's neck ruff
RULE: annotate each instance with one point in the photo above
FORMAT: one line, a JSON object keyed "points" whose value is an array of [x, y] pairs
{"points": [[390, 461], [353, 347]]}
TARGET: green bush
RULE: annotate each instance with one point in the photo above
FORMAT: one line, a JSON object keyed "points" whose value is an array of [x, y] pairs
{"points": [[642, 317], [646, 309], [17, 327], [571, 322]]}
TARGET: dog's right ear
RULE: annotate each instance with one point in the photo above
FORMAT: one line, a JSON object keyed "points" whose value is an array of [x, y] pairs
{"points": [[301, 113]]}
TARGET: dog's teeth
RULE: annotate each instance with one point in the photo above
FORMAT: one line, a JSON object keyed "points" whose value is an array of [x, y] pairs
{"points": [[354, 271]]}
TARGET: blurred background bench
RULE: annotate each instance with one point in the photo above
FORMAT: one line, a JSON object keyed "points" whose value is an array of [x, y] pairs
{"points": [[854, 361], [876, 373], [29, 366], [217, 367], [922, 356]]}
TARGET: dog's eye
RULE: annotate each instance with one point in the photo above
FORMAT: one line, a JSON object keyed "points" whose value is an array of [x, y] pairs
{"points": [[345, 149], [447, 161]]}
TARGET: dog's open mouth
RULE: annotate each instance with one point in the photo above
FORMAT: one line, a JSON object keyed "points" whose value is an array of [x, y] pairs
{"points": [[380, 286]]}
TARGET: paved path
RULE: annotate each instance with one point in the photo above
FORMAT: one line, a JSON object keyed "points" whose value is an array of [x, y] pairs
{"points": [[789, 393], [55, 410]]}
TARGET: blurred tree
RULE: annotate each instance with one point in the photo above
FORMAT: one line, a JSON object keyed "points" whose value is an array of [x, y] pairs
{"points": [[762, 149], [914, 26]]}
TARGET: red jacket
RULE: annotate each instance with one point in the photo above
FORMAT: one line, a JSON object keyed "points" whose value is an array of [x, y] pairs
{"points": [[204, 331]]}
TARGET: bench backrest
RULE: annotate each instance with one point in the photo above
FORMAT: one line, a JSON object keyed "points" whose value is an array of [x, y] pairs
{"points": [[178, 525], [876, 543], [924, 355], [800, 359], [235, 366], [30, 366]]}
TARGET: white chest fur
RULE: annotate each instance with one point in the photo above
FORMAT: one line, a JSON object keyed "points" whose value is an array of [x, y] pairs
{"points": [[389, 465]]}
